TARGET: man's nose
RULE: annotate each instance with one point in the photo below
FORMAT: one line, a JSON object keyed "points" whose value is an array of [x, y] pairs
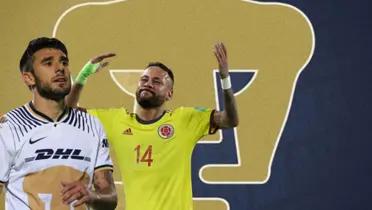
{"points": [[148, 83], [60, 67]]}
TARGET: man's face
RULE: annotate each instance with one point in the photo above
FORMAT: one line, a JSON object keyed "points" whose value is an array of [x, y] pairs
{"points": [[154, 88], [51, 75]]}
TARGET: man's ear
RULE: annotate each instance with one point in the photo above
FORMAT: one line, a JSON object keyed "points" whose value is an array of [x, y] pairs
{"points": [[170, 95], [28, 79]]}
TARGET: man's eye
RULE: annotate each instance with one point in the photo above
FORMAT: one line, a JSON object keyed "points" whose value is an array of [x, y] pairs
{"points": [[65, 63]]}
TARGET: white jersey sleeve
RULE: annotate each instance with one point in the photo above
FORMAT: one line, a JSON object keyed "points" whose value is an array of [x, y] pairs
{"points": [[103, 157], [7, 151]]}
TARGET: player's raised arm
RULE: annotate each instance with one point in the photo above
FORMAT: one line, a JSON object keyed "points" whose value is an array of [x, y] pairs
{"points": [[227, 118], [93, 66]]}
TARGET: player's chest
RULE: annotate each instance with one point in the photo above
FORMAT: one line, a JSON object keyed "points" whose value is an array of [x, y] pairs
{"points": [[57, 143], [146, 146], [133, 134]]}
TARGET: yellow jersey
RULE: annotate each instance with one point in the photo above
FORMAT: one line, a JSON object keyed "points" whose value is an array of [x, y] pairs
{"points": [[155, 157]]}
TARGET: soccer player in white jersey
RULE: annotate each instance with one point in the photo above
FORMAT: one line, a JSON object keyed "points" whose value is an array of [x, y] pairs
{"points": [[53, 157]]}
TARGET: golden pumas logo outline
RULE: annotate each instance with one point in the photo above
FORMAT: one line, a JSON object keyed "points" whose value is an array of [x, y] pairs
{"points": [[275, 40]]}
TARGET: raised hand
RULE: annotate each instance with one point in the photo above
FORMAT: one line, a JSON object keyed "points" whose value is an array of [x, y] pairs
{"points": [[221, 55], [101, 60]]}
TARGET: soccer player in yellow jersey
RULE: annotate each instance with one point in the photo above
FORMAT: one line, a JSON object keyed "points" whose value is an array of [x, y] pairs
{"points": [[153, 145]]}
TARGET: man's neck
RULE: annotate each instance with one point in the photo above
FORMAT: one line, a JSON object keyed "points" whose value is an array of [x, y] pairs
{"points": [[50, 108], [148, 114]]}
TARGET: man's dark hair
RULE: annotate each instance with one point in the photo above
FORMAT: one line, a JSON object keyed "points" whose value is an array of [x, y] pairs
{"points": [[163, 67], [25, 64]]}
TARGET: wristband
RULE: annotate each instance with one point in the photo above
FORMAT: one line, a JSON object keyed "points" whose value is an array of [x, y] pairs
{"points": [[226, 83], [85, 72]]}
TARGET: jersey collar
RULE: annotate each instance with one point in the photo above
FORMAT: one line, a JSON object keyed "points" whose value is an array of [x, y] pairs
{"points": [[44, 116], [147, 122]]}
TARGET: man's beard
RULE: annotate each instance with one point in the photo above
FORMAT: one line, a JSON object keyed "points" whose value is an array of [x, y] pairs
{"points": [[48, 93], [147, 103]]}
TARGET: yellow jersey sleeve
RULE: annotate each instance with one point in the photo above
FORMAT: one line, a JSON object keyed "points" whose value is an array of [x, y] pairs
{"points": [[198, 121], [107, 118]]}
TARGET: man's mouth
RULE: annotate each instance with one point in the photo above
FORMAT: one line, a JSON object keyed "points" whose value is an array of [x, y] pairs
{"points": [[147, 90], [60, 79]]}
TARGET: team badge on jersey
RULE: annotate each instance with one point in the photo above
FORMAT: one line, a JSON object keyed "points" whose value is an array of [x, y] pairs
{"points": [[166, 131]]}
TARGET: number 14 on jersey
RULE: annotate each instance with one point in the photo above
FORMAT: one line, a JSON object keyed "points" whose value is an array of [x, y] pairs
{"points": [[144, 157]]}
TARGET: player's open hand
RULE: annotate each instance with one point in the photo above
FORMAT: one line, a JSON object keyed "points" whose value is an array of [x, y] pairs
{"points": [[77, 192], [221, 55], [101, 59]]}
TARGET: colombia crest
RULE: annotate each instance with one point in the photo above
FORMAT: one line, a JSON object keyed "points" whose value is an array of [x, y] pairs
{"points": [[166, 131]]}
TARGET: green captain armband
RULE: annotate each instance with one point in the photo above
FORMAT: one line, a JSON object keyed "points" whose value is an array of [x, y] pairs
{"points": [[87, 70]]}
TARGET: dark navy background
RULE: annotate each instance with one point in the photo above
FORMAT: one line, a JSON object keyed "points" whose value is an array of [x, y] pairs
{"points": [[323, 161]]}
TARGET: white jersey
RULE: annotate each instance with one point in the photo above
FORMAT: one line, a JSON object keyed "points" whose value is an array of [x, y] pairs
{"points": [[37, 155]]}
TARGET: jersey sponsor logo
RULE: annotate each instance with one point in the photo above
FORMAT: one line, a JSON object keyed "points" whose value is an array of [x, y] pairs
{"points": [[33, 141], [127, 132], [60, 153], [166, 131]]}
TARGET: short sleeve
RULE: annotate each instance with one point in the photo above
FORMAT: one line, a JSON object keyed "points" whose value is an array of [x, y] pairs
{"points": [[7, 151], [199, 120], [106, 117], [103, 161]]}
